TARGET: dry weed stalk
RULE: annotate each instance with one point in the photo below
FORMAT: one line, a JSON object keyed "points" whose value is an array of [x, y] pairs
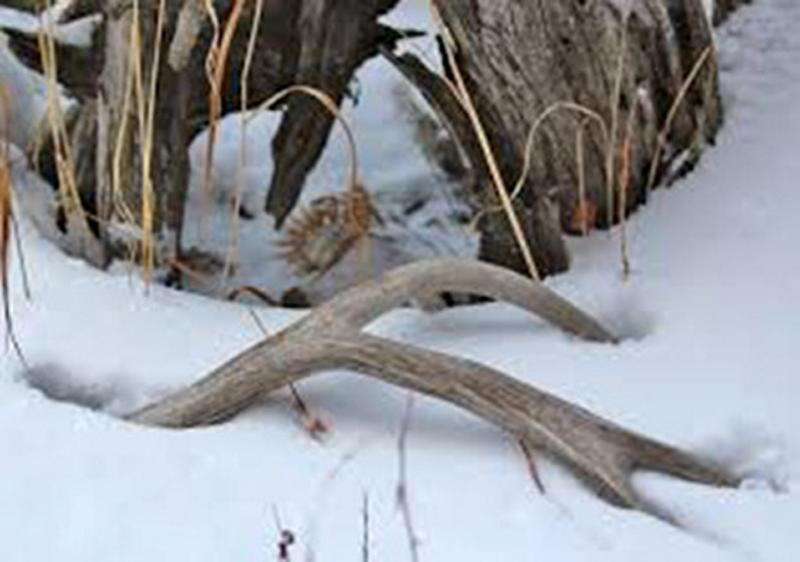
{"points": [[314, 426], [259, 294], [6, 212], [216, 67], [357, 206], [527, 163], [330, 105], [122, 213], [614, 107], [365, 528], [233, 249], [286, 538], [584, 220], [147, 108], [120, 209], [533, 470], [609, 129], [401, 492], [673, 110], [587, 113], [464, 97], [7, 231], [626, 153], [65, 165]]}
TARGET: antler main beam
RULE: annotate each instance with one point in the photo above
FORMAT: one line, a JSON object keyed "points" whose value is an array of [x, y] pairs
{"points": [[331, 337]]}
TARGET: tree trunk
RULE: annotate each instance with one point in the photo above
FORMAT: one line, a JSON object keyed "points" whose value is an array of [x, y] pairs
{"points": [[521, 59], [611, 79], [141, 176]]}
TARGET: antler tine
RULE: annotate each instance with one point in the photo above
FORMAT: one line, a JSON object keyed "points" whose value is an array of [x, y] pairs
{"points": [[361, 305], [602, 454]]}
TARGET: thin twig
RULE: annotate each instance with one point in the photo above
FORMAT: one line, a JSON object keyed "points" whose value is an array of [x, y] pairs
{"points": [[488, 152], [252, 291], [365, 528], [673, 111], [615, 101], [588, 114], [624, 186], [214, 95], [286, 537], [6, 233], [178, 265], [532, 468], [580, 163], [332, 107], [7, 191], [233, 250], [313, 425], [402, 483], [147, 152], [65, 163], [23, 267]]}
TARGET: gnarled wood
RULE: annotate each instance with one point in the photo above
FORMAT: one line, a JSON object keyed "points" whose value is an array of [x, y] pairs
{"points": [[520, 59], [601, 453]]}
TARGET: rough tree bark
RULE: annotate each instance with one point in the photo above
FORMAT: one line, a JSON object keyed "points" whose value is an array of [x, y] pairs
{"points": [[520, 59], [320, 43]]}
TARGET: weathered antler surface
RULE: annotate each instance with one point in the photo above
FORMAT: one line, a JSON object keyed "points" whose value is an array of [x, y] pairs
{"points": [[331, 337]]}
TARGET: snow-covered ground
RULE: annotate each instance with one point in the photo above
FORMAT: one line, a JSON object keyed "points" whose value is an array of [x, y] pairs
{"points": [[712, 319]]}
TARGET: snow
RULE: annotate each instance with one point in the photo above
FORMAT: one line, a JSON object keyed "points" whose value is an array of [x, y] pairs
{"points": [[710, 314]]}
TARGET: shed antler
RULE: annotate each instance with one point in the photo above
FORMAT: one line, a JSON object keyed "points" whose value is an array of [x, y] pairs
{"points": [[602, 454]]}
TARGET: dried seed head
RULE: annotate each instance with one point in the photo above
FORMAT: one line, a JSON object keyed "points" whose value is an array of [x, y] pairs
{"points": [[319, 235]]}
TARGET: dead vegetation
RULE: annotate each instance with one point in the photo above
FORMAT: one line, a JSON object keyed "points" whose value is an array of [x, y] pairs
{"points": [[8, 233]]}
